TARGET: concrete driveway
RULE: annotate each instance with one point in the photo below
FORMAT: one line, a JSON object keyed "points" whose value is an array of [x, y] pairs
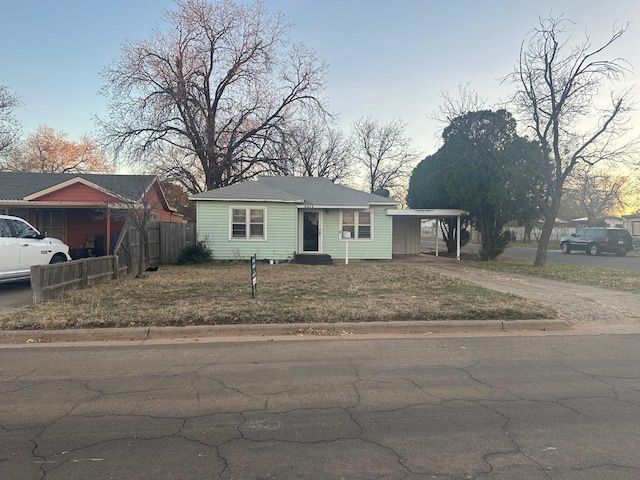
{"points": [[580, 305], [14, 295]]}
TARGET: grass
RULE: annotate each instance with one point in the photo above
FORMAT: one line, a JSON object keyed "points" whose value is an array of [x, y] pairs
{"points": [[556, 246], [609, 278], [221, 294]]}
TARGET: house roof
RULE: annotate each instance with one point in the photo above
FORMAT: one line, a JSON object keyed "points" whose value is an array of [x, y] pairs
{"points": [[18, 186], [316, 192]]}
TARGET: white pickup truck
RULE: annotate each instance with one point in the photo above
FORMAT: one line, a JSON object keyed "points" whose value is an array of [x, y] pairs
{"points": [[22, 246]]}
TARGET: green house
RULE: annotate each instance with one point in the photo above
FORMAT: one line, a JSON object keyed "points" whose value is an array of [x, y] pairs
{"points": [[277, 218]]}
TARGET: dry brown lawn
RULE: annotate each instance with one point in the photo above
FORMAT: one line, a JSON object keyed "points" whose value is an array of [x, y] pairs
{"points": [[609, 278], [287, 293]]}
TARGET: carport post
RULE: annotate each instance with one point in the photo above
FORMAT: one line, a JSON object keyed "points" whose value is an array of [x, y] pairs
{"points": [[458, 239], [437, 227]]}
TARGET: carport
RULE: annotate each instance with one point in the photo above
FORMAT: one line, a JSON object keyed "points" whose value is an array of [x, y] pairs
{"points": [[407, 228]]}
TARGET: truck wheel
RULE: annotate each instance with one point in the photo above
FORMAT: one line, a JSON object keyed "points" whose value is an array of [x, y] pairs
{"points": [[58, 258]]}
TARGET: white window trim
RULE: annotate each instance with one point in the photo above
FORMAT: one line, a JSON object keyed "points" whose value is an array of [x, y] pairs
{"points": [[247, 210], [357, 218]]}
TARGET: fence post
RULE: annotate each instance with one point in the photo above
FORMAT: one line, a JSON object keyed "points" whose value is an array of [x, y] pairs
{"points": [[116, 267], [85, 273], [36, 283]]}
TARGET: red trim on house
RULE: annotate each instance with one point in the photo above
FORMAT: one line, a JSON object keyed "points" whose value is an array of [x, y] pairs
{"points": [[78, 193]]}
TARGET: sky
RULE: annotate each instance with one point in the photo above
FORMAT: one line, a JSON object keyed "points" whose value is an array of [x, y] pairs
{"points": [[390, 60]]}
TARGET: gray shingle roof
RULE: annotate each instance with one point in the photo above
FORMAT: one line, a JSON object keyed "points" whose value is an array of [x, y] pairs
{"points": [[17, 185], [316, 191], [247, 191]]}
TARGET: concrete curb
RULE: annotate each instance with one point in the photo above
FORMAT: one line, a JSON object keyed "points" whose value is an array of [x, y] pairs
{"points": [[139, 334]]}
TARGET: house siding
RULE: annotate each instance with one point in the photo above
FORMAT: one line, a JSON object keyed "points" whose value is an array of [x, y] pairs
{"points": [[406, 235], [77, 193], [212, 220], [378, 248]]}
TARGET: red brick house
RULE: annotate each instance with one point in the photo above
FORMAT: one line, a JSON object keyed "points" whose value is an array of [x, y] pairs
{"points": [[86, 211]]}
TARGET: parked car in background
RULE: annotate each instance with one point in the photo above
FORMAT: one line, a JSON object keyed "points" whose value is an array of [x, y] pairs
{"points": [[22, 246], [595, 241]]}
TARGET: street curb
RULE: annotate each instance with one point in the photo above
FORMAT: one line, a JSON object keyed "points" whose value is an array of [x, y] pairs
{"points": [[138, 334]]}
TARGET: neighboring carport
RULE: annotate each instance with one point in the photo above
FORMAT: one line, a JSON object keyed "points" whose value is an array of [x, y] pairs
{"points": [[407, 226]]}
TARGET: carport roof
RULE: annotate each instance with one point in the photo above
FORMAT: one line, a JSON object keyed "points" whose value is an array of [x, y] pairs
{"points": [[427, 212]]}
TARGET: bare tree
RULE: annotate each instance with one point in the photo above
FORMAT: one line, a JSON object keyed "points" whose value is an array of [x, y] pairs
{"points": [[217, 84], [452, 106], [8, 125], [311, 147], [558, 93], [596, 192], [177, 165], [384, 152], [136, 211]]}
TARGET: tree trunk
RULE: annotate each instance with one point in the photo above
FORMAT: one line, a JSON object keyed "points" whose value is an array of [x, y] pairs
{"points": [[527, 232], [141, 253], [545, 236], [141, 258], [449, 234]]}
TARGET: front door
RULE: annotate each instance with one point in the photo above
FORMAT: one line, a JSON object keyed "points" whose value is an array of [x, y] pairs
{"points": [[311, 231]]}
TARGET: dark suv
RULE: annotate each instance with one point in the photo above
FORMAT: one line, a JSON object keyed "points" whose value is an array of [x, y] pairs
{"points": [[594, 241]]}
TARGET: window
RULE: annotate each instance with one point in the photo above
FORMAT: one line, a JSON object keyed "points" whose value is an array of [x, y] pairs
{"points": [[364, 225], [357, 223], [5, 231], [22, 229], [248, 223], [53, 223]]}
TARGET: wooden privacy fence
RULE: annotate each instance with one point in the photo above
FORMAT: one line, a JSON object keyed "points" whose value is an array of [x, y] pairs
{"points": [[175, 237], [165, 242], [49, 280]]}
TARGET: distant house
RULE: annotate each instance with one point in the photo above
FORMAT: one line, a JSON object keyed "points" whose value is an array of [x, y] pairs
{"points": [[86, 211], [632, 223], [609, 222], [279, 217]]}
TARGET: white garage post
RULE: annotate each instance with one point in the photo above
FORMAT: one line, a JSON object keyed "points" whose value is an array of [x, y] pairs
{"points": [[436, 229], [459, 235]]}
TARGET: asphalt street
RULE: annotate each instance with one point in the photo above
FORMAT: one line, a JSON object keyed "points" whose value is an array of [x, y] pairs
{"points": [[416, 407], [605, 260]]}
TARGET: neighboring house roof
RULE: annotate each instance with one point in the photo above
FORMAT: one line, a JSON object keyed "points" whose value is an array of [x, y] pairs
{"points": [[26, 185], [586, 219], [316, 192]]}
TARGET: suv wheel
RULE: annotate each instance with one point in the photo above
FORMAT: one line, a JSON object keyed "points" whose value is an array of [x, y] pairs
{"points": [[565, 247], [593, 250]]}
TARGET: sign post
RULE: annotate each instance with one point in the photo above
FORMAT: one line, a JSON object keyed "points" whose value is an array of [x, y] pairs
{"points": [[346, 236], [254, 276]]}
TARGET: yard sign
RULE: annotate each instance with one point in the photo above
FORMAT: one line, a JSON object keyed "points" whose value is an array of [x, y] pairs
{"points": [[254, 276]]}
